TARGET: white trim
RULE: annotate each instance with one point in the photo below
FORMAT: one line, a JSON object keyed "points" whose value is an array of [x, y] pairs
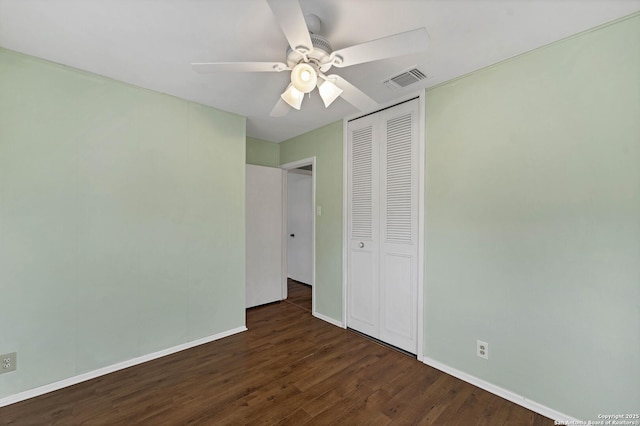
{"points": [[382, 106], [310, 161], [345, 217], [422, 147], [301, 172], [31, 393], [285, 240], [314, 309], [503, 393], [329, 320]]}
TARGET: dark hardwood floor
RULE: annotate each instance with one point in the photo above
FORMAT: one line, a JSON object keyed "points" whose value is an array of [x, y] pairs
{"points": [[288, 369], [299, 294]]}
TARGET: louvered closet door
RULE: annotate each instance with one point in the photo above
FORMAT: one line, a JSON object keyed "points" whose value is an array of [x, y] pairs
{"points": [[363, 286], [399, 226], [382, 156]]}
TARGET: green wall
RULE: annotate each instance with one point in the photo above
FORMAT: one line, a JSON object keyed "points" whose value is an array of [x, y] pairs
{"points": [[263, 153], [533, 223], [121, 221], [326, 145]]}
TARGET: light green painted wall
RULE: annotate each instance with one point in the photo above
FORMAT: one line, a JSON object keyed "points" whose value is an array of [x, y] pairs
{"points": [[533, 223], [326, 145], [263, 153], [121, 221]]}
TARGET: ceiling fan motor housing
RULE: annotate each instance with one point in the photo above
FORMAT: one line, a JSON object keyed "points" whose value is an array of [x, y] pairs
{"points": [[319, 56]]}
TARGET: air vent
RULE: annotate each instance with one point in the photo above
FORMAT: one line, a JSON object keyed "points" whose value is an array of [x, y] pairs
{"points": [[405, 79]]}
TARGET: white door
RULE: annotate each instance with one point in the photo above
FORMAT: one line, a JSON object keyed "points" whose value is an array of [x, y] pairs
{"points": [[300, 225], [399, 226], [383, 225], [362, 196], [263, 238]]}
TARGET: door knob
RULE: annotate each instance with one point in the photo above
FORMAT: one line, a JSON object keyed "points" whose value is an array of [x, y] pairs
{"points": [[361, 245], [292, 235]]}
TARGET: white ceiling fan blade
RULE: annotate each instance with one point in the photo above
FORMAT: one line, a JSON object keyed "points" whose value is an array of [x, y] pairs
{"points": [[352, 94], [291, 19], [207, 67], [387, 47], [280, 109]]}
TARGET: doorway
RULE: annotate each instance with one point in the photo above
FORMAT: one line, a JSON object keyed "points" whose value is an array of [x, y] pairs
{"points": [[299, 223]]}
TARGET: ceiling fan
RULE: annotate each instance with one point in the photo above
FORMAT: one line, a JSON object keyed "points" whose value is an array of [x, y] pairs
{"points": [[310, 56]]}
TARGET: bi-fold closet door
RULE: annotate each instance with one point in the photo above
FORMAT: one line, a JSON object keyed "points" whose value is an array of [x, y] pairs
{"points": [[382, 211]]}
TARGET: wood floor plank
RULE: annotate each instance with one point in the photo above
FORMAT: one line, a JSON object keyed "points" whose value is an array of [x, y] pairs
{"points": [[368, 411], [288, 369], [298, 417], [474, 406], [299, 294], [402, 405], [448, 397]]}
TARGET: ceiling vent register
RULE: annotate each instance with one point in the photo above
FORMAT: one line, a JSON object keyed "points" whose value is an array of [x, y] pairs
{"points": [[405, 79]]}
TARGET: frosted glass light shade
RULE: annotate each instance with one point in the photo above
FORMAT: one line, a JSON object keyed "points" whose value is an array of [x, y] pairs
{"points": [[292, 96], [329, 92], [304, 77]]}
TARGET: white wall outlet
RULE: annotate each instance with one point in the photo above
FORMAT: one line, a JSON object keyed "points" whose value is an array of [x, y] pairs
{"points": [[9, 362], [482, 349]]}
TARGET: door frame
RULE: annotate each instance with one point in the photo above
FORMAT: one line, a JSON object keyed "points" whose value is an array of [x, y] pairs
{"points": [[310, 161], [421, 208]]}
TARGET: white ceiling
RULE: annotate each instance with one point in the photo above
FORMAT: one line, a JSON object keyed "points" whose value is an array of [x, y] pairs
{"points": [[151, 44]]}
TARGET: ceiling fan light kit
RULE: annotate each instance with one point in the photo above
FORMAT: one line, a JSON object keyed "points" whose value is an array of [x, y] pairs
{"points": [[304, 77], [329, 92], [293, 97], [310, 55]]}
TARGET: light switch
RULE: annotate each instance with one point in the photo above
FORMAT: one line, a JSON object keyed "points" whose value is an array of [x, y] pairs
{"points": [[319, 210]]}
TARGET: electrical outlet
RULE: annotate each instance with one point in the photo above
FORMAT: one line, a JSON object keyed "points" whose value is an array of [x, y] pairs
{"points": [[9, 362], [482, 349]]}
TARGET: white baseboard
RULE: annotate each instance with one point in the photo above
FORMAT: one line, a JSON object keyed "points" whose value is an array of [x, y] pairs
{"points": [[329, 320], [31, 393], [501, 392]]}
